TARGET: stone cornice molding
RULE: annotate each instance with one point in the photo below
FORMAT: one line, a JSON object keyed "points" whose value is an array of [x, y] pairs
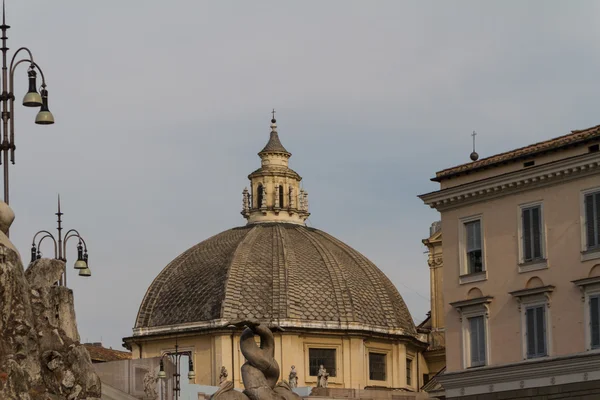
{"points": [[501, 185], [582, 283], [532, 292], [478, 301], [528, 373]]}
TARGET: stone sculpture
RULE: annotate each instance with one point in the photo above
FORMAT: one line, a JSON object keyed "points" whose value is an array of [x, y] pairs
{"points": [[260, 372], [150, 380], [40, 354], [293, 378], [223, 375], [322, 377]]}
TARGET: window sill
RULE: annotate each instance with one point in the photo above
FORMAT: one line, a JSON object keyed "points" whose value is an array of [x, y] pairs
{"points": [[592, 254], [474, 277], [534, 265]]}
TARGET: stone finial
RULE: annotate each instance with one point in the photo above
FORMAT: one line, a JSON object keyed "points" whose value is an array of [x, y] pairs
{"points": [[263, 203], [306, 201], [7, 216], [245, 202]]}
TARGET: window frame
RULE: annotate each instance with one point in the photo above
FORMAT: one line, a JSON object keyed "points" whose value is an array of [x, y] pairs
{"points": [[313, 344], [536, 263], [384, 355], [590, 287], [538, 297], [587, 253], [465, 276], [535, 306], [471, 308], [329, 370]]}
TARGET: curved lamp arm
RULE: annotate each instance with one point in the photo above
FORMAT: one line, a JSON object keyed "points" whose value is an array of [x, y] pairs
{"points": [[55, 245]]}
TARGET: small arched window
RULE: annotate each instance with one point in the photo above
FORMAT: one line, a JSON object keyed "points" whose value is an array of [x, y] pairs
{"points": [[281, 196], [259, 196]]}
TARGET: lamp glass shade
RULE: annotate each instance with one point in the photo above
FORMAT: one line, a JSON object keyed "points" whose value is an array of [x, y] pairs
{"points": [[32, 99], [85, 272], [191, 375], [44, 118], [162, 375], [80, 264]]}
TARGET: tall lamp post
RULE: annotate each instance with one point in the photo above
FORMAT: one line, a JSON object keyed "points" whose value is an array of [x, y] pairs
{"points": [[175, 358], [60, 248], [32, 99]]}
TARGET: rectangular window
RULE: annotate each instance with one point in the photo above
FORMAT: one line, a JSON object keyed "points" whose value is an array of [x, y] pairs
{"points": [[592, 220], [377, 367], [324, 357], [531, 218], [477, 341], [536, 331], [595, 321], [473, 247], [408, 372]]}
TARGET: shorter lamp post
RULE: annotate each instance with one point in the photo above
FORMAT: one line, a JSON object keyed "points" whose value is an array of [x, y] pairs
{"points": [[175, 358], [60, 248]]}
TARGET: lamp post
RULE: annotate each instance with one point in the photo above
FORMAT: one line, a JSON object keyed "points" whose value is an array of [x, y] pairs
{"points": [[175, 358], [60, 248], [32, 99]]}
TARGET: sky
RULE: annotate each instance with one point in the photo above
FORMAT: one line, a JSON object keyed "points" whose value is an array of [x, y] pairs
{"points": [[161, 107]]}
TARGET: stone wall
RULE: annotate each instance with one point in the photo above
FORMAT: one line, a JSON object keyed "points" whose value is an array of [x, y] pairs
{"points": [[589, 390]]}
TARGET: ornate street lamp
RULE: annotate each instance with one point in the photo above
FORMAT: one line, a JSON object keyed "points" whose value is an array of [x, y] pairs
{"points": [[60, 248], [32, 99], [175, 358]]}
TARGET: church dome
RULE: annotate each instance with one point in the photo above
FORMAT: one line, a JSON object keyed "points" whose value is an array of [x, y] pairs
{"points": [[282, 274], [275, 270]]}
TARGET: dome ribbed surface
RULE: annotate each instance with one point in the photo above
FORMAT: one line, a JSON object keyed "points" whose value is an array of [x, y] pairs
{"points": [[276, 273]]}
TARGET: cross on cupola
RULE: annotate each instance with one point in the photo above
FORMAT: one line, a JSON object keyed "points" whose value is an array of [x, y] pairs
{"points": [[275, 194]]}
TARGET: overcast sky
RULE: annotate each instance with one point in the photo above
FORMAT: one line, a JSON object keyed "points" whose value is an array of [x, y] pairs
{"points": [[161, 107]]}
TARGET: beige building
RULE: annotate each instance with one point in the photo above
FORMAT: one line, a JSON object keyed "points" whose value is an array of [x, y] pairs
{"points": [[327, 303], [521, 256]]}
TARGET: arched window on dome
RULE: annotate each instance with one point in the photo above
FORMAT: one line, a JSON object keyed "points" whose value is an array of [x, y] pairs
{"points": [[281, 196], [259, 195]]}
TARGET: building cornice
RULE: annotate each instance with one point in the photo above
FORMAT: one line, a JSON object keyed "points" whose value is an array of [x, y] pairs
{"points": [[527, 374], [532, 292], [513, 182], [594, 280]]}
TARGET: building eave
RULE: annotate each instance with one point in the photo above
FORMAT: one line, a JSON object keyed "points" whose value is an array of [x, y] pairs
{"points": [[513, 182]]}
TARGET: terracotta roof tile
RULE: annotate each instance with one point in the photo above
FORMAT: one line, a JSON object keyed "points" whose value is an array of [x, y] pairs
{"points": [[102, 354], [572, 138]]}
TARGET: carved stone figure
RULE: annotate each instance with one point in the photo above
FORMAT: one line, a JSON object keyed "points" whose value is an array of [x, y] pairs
{"points": [[322, 377], [260, 372], [150, 380], [293, 378], [223, 375], [245, 202]]}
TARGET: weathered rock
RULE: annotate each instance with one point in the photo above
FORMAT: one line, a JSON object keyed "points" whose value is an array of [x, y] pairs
{"points": [[40, 354]]}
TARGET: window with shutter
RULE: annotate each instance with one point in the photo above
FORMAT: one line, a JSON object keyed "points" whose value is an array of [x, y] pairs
{"points": [[536, 331], [473, 247], [592, 220], [532, 239], [595, 321], [477, 339]]}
